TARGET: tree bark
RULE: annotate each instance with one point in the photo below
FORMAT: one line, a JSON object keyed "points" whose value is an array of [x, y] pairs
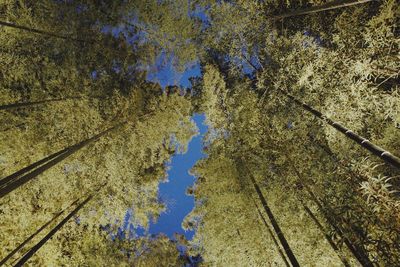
{"points": [[19, 247], [36, 31], [327, 237], [34, 103], [271, 217], [11, 177], [249, 62], [357, 251], [328, 6], [363, 142], [17, 182], [36, 247], [272, 235]]}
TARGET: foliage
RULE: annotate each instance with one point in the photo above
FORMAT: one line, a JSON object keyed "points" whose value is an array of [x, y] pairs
{"points": [[332, 199]]}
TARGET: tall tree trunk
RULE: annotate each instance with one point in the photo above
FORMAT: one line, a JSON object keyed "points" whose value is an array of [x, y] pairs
{"points": [[352, 183], [365, 143], [27, 169], [17, 182], [374, 149], [271, 217], [327, 237], [328, 6], [356, 250], [248, 61], [34, 103], [19, 247], [36, 247], [36, 31], [272, 235]]}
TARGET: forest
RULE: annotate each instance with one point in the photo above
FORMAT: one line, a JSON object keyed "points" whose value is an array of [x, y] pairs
{"points": [[302, 106]]}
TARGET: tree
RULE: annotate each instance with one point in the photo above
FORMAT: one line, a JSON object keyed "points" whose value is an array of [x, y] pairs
{"points": [[36, 247], [328, 6], [328, 238], [15, 182], [34, 103], [32, 30], [223, 187], [271, 217], [227, 231], [272, 235], [269, 132], [166, 127], [26, 241], [374, 149], [328, 198]]}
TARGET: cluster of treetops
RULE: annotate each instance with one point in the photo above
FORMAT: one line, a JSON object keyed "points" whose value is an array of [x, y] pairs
{"points": [[301, 98]]}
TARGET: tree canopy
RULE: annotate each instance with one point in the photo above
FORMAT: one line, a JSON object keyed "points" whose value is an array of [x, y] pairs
{"points": [[302, 104]]}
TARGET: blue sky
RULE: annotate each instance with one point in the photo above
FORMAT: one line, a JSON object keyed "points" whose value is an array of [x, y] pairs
{"points": [[174, 190], [165, 74]]}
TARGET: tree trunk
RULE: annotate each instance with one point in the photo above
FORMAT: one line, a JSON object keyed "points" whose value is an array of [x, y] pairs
{"points": [[328, 6], [34, 103], [248, 61], [365, 143], [27, 104], [272, 235], [374, 149], [36, 247], [18, 248], [17, 182], [357, 251], [11, 177], [327, 237], [32, 30], [271, 217]]}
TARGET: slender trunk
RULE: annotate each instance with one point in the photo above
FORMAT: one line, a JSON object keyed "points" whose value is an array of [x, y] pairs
{"points": [[17, 182], [327, 237], [271, 217], [11, 177], [315, 220], [249, 62], [365, 143], [272, 235], [18, 248], [356, 250], [36, 247], [374, 149], [34, 103], [353, 183], [32, 30], [328, 6]]}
